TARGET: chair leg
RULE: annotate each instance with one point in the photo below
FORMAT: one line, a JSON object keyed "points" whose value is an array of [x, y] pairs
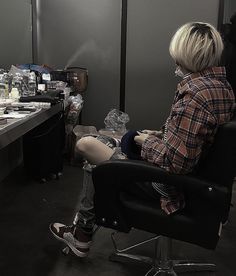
{"points": [[161, 262], [166, 266], [122, 255], [191, 266], [155, 271]]}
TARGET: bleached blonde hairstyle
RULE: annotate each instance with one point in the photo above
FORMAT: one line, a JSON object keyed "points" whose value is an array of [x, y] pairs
{"points": [[196, 46]]}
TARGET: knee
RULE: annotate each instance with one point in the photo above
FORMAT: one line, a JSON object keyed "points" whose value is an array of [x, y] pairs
{"points": [[84, 144]]}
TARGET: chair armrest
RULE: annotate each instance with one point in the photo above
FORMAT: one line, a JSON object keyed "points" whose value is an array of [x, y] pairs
{"points": [[133, 170], [109, 177]]}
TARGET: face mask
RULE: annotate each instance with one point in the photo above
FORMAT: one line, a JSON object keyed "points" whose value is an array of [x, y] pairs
{"points": [[178, 72]]}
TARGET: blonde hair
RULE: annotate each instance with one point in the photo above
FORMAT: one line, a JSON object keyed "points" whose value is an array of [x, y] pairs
{"points": [[196, 46]]}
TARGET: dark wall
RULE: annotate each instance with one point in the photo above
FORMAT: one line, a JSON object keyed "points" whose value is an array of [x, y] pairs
{"points": [[84, 33], [16, 32], [151, 81], [87, 33], [230, 8]]}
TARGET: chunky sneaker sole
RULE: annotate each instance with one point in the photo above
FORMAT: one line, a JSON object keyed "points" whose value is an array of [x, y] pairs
{"points": [[65, 234]]}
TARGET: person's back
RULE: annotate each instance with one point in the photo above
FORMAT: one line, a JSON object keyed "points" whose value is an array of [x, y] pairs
{"points": [[213, 93], [206, 100]]}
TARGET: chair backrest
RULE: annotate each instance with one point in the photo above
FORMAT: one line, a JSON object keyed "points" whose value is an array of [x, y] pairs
{"points": [[219, 164]]}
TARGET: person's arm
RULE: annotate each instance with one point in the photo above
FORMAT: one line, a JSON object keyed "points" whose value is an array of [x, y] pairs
{"points": [[144, 134], [158, 133], [186, 131]]}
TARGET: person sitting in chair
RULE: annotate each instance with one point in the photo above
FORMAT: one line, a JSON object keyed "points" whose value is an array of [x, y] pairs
{"points": [[203, 101]]}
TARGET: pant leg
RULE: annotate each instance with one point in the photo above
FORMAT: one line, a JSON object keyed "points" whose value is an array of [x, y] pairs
{"points": [[86, 215]]}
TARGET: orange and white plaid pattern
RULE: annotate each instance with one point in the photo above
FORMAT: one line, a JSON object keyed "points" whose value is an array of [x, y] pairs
{"points": [[202, 102]]}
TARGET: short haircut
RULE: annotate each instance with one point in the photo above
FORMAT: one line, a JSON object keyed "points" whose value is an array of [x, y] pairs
{"points": [[196, 46]]}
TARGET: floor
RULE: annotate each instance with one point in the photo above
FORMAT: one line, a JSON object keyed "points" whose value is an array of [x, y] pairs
{"points": [[27, 248]]}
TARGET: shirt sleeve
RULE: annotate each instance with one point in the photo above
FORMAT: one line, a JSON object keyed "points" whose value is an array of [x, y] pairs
{"points": [[186, 130]]}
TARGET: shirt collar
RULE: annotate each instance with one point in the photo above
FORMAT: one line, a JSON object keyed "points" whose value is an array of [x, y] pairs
{"points": [[212, 72]]}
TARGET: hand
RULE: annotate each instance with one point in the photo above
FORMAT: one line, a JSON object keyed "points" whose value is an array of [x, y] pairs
{"points": [[157, 133], [139, 139]]}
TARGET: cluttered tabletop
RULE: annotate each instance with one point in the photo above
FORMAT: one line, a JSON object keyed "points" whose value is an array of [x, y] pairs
{"points": [[23, 118], [30, 94]]}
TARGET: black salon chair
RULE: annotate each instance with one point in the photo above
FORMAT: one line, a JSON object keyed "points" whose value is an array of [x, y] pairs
{"points": [[207, 192]]}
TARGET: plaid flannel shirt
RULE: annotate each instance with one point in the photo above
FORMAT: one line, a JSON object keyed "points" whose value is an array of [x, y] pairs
{"points": [[202, 102]]}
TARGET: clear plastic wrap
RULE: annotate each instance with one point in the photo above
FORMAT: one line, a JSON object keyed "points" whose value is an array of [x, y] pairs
{"points": [[116, 121], [75, 107], [75, 104]]}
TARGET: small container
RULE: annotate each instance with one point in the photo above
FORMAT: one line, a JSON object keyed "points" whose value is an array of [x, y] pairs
{"points": [[41, 86], [15, 93], [2, 87], [17, 82], [2, 109], [32, 84]]}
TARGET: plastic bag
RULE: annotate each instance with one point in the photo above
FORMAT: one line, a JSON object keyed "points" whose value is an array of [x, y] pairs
{"points": [[15, 70], [75, 107], [116, 120]]}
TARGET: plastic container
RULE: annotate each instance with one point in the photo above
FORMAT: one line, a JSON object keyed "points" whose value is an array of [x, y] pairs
{"points": [[2, 87], [32, 84], [14, 93], [17, 82]]}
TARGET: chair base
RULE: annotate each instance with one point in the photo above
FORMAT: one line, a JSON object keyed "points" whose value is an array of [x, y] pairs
{"points": [[162, 265], [179, 266], [157, 271]]}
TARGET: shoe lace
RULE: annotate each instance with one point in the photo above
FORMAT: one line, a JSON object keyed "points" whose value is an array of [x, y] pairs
{"points": [[70, 228]]}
